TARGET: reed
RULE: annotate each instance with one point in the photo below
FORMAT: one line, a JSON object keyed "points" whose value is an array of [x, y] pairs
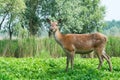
{"points": [[46, 47], [30, 47]]}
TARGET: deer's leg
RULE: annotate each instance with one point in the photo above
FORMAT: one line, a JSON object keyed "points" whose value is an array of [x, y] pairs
{"points": [[107, 59], [100, 61], [67, 61], [72, 59], [99, 54]]}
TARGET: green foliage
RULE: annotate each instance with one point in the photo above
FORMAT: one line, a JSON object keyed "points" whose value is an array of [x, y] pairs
{"points": [[11, 13], [45, 47], [78, 16], [7, 47], [112, 28], [113, 47], [31, 17], [113, 31], [30, 47], [20, 32], [110, 24], [11, 6], [53, 69]]}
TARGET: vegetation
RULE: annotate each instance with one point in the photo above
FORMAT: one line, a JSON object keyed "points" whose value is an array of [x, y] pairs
{"points": [[80, 16], [113, 47], [11, 12], [53, 69], [30, 47], [36, 47], [112, 28], [26, 19]]}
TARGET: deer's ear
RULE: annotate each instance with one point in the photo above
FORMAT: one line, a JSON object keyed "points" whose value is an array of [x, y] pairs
{"points": [[48, 20]]}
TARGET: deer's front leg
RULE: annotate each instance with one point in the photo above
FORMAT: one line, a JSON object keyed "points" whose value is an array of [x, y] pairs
{"points": [[67, 62], [72, 59]]}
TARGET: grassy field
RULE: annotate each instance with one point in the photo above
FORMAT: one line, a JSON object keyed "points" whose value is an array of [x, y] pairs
{"points": [[54, 69]]}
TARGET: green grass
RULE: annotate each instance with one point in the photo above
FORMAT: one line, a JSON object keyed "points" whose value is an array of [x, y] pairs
{"points": [[113, 47], [37, 47], [54, 69], [30, 47]]}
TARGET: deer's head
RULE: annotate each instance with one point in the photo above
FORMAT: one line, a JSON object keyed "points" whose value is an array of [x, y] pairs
{"points": [[54, 25]]}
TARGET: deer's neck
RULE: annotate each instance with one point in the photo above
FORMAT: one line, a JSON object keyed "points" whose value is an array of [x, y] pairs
{"points": [[58, 36]]}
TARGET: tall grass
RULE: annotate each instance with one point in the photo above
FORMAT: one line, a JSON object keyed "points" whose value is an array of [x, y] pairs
{"points": [[30, 47], [45, 47], [113, 46]]}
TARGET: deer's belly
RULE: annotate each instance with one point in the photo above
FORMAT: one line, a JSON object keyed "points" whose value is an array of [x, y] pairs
{"points": [[83, 51]]}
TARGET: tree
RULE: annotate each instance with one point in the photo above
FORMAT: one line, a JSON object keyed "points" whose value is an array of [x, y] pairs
{"points": [[11, 10], [31, 16], [112, 28], [78, 16]]}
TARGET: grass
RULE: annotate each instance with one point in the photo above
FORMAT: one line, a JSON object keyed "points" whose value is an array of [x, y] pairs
{"points": [[34, 47], [113, 47], [30, 47], [54, 69]]}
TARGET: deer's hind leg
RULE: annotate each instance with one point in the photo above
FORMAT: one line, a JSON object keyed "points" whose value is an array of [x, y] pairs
{"points": [[98, 51], [107, 59]]}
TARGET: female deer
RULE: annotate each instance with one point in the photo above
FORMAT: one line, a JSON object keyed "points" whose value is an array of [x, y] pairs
{"points": [[82, 43]]}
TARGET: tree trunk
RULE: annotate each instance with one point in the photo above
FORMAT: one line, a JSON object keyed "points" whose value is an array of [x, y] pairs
{"points": [[10, 31], [30, 27], [10, 35], [3, 20]]}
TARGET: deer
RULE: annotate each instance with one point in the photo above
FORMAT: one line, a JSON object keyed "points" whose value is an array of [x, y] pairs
{"points": [[80, 43]]}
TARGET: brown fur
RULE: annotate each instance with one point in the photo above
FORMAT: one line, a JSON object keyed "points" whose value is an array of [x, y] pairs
{"points": [[82, 43]]}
